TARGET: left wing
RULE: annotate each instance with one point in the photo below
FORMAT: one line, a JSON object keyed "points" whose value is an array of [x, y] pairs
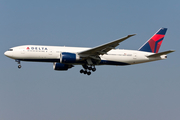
{"points": [[103, 49]]}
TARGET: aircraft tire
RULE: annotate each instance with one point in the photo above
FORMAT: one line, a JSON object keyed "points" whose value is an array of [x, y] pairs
{"points": [[19, 66], [85, 72], [89, 68], [93, 69], [81, 71], [88, 73]]}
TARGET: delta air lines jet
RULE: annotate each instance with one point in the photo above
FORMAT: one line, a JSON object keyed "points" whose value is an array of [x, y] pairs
{"points": [[64, 58]]}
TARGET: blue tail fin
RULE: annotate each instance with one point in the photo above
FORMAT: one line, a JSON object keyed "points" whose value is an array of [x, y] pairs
{"points": [[154, 43]]}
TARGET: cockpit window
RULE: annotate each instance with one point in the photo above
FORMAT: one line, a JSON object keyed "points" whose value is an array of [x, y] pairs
{"points": [[10, 49]]}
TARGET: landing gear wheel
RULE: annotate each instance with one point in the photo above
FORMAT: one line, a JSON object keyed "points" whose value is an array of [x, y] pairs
{"points": [[88, 73], [85, 66], [85, 72], [89, 68], [19, 66], [93, 69], [81, 71]]}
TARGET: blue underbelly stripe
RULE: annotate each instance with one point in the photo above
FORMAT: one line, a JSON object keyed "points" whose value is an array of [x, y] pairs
{"points": [[103, 62]]}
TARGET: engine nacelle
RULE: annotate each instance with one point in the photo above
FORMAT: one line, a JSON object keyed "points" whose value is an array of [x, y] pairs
{"points": [[60, 66], [66, 57]]}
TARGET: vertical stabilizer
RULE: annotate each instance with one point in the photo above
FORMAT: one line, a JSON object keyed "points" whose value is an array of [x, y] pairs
{"points": [[154, 43]]}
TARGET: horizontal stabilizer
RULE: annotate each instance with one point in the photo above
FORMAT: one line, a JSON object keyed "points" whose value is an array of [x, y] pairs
{"points": [[161, 53]]}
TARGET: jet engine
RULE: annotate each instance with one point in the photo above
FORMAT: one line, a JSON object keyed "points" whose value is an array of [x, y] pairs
{"points": [[60, 66], [66, 57]]}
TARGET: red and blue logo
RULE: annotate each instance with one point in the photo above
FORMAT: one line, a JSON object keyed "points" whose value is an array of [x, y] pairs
{"points": [[36, 48], [154, 43]]}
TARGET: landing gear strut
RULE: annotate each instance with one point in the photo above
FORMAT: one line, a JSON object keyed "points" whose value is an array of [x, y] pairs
{"points": [[18, 61], [87, 69]]}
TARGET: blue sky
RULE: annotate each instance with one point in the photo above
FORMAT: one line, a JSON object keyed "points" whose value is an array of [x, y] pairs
{"points": [[139, 92]]}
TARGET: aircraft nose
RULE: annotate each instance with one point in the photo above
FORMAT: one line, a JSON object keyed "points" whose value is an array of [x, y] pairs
{"points": [[8, 53], [5, 53]]}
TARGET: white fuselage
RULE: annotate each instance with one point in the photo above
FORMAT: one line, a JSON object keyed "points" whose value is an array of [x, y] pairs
{"points": [[41, 53]]}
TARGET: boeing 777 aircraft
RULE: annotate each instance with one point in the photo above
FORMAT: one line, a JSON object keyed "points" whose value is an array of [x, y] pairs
{"points": [[64, 58]]}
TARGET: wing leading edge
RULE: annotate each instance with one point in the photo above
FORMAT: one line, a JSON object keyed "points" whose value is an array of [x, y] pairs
{"points": [[103, 49]]}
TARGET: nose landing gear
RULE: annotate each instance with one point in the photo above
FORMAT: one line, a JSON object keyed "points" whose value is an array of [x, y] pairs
{"points": [[18, 61]]}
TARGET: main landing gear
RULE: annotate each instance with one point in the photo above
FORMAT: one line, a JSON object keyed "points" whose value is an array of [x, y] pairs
{"points": [[87, 69], [18, 61]]}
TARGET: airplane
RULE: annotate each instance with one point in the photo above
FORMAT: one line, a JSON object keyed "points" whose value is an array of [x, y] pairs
{"points": [[64, 58]]}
